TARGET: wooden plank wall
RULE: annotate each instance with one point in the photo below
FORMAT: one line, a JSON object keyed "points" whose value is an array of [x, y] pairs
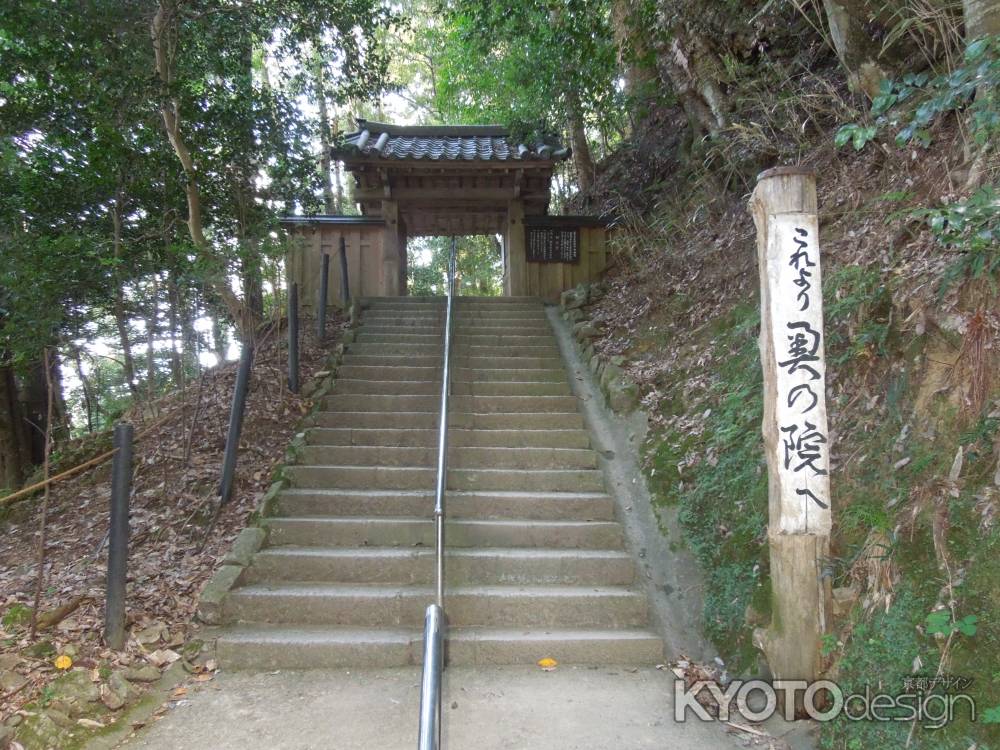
{"points": [[364, 261], [549, 280]]}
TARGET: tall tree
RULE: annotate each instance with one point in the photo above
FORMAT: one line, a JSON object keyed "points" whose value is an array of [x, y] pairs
{"points": [[536, 67], [139, 146]]}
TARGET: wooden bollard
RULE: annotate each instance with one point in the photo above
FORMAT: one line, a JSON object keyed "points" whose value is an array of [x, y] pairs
{"points": [[293, 337], [236, 412], [794, 427], [345, 284], [324, 287]]}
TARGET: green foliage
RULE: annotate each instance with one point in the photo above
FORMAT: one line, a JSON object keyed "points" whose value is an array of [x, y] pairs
{"points": [[479, 271], [941, 622], [911, 104], [529, 65], [858, 307], [909, 107], [16, 616], [82, 143], [866, 514], [881, 654], [970, 227], [857, 135]]}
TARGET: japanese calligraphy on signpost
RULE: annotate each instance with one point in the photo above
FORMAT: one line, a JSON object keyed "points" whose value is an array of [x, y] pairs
{"points": [[796, 312]]}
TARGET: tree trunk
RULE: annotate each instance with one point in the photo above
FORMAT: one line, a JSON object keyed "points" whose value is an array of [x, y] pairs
{"points": [[689, 66], [325, 158], [582, 157], [152, 326], [982, 18], [47, 368], [855, 47], [88, 391], [13, 460], [219, 338], [163, 30], [173, 309], [34, 407], [121, 317], [633, 50], [190, 342], [338, 187]]}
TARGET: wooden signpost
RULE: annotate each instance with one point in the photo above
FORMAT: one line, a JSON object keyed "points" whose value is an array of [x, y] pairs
{"points": [[795, 431]]}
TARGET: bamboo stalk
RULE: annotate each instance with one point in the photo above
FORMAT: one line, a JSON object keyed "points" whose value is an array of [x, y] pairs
{"points": [[76, 469]]}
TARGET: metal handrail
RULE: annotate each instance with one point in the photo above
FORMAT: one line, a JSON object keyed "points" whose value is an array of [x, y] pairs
{"points": [[434, 620]]}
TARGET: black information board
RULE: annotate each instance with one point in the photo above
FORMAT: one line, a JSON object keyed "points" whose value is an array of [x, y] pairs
{"points": [[553, 244]]}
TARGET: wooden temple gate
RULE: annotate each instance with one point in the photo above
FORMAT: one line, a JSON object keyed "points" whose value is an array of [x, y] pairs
{"points": [[413, 181]]}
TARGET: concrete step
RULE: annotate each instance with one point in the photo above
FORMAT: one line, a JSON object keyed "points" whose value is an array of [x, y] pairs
{"points": [[459, 350], [376, 303], [458, 313], [456, 421], [457, 404], [459, 457], [491, 325], [402, 565], [427, 438], [535, 559], [460, 361], [390, 605], [458, 339], [458, 388], [419, 477], [543, 506], [429, 326], [407, 532], [459, 375], [264, 647], [410, 299]]}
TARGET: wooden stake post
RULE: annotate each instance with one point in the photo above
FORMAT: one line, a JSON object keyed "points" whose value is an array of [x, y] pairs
{"points": [[795, 425]]}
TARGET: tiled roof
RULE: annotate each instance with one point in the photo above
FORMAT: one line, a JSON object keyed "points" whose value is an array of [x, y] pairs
{"points": [[446, 142]]}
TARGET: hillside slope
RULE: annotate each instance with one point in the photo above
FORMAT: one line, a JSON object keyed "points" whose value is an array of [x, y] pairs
{"points": [[913, 397], [179, 537]]}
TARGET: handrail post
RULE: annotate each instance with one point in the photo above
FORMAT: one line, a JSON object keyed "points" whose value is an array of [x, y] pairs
{"points": [[430, 684], [434, 621]]}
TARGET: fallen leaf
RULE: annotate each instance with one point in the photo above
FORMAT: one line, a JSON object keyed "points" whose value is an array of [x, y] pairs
{"points": [[63, 662]]}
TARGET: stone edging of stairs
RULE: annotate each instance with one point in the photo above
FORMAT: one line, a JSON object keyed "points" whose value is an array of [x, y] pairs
{"points": [[252, 538], [620, 392]]}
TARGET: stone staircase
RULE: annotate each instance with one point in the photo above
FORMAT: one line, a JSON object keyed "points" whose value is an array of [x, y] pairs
{"points": [[536, 562]]}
